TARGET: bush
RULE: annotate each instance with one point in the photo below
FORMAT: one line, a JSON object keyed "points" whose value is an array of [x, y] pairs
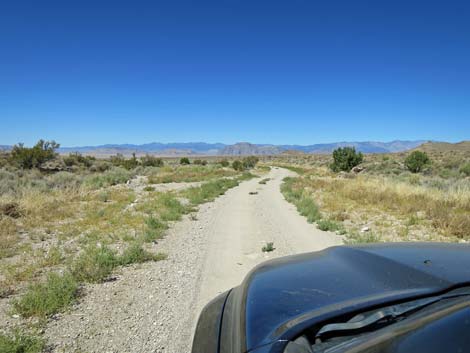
{"points": [[8, 182], [238, 166], [155, 229], [224, 163], [329, 225], [200, 162], [77, 159], [18, 342], [136, 254], [130, 163], [100, 166], [416, 161], [94, 264], [209, 191], [185, 161], [305, 204], [346, 158], [151, 161], [308, 208], [250, 162], [63, 180], [465, 169], [44, 299], [169, 207], [114, 176], [33, 157], [268, 247]]}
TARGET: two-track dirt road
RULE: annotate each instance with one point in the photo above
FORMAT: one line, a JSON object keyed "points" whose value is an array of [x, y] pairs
{"points": [[154, 307]]}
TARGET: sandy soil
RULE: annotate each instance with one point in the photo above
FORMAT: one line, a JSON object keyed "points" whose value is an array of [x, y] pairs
{"points": [[154, 307]]}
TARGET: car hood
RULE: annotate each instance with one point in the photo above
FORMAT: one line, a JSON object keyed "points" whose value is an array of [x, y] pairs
{"points": [[285, 296]]}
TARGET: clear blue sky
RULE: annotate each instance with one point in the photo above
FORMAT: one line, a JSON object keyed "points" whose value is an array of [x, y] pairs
{"points": [[92, 72]]}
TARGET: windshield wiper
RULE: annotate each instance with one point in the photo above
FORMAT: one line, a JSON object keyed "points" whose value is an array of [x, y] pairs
{"points": [[383, 315]]}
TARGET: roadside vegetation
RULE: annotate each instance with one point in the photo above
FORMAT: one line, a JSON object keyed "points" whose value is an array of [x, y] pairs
{"points": [[66, 221], [19, 342], [415, 196]]}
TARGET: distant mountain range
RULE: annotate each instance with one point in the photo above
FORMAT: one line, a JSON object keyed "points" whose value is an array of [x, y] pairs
{"points": [[238, 149], [241, 148]]}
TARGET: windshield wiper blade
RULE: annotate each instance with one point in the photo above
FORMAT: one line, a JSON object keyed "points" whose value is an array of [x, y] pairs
{"points": [[390, 313]]}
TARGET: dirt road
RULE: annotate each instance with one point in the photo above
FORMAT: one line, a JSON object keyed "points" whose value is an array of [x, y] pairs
{"points": [[154, 307]]}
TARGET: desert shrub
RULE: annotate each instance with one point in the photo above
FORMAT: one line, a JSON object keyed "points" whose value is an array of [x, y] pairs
{"points": [[100, 166], [185, 161], [346, 158], [305, 204], [50, 297], [465, 169], [18, 342], [135, 253], [238, 165], [27, 158], [130, 163], [447, 173], [8, 182], [151, 161], [329, 225], [77, 159], [224, 163], [94, 264], [117, 160], [308, 208], [416, 161], [250, 162], [114, 176], [170, 209], [209, 191], [64, 180], [268, 247], [154, 229]]}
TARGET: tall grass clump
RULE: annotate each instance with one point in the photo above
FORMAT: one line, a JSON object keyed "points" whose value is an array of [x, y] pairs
{"points": [[113, 176], [305, 204], [170, 208], [19, 342], [209, 191], [465, 169], [135, 253], [48, 298], [94, 264], [330, 225], [154, 229]]}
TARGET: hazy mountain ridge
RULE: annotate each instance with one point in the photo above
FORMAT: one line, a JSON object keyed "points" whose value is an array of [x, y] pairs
{"points": [[237, 149], [244, 148]]}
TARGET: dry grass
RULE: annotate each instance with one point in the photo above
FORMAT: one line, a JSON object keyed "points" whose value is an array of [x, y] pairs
{"points": [[437, 208], [58, 216], [189, 173], [84, 224]]}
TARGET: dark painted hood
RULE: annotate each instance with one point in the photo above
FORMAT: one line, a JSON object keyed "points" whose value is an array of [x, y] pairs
{"points": [[285, 296]]}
